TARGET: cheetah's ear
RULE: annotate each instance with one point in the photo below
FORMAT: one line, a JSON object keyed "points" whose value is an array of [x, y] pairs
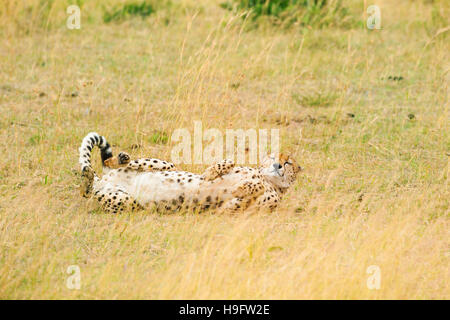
{"points": [[284, 157]]}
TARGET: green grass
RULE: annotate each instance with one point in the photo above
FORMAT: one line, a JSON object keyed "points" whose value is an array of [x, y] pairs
{"points": [[318, 13], [129, 10], [318, 99]]}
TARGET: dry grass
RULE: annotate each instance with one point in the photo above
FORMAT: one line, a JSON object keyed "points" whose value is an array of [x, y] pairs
{"points": [[374, 190]]}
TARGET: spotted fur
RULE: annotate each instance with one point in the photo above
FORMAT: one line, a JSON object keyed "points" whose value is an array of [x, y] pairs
{"points": [[144, 183]]}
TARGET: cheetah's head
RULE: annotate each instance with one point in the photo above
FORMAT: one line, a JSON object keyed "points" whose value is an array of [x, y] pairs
{"points": [[280, 170]]}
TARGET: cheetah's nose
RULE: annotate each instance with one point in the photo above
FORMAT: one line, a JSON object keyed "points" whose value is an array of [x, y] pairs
{"points": [[277, 166]]}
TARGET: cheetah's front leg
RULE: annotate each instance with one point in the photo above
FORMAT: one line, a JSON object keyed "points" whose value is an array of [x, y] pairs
{"points": [[244, 195], [218, 169], [269, 200]]}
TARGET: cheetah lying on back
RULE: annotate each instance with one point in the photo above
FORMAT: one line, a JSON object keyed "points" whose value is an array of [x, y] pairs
{"points": [[132, 184]]}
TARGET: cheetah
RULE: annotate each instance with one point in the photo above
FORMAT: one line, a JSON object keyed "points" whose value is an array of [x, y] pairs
{"points": [[143, 183]]}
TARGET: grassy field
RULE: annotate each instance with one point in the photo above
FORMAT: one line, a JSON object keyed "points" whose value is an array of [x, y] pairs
{"points": [[375, 151]]}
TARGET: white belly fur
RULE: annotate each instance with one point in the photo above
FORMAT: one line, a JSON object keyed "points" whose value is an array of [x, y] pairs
{"points": [[153, 187], [150, 187]]}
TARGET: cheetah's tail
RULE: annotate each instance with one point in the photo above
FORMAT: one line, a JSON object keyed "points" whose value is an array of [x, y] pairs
{"points": [[91, 140]]}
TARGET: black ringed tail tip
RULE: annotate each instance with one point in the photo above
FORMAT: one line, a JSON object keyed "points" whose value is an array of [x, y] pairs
{"points": [[93, 139]]}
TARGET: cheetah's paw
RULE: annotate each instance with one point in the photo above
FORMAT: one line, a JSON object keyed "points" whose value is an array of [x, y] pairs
{"points": [[123, 158]]}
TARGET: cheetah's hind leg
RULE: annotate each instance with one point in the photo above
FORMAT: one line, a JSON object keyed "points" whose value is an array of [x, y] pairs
{"points": [[88, 176], [150, 164], [116, 200], [235, 204], [251, 188]]}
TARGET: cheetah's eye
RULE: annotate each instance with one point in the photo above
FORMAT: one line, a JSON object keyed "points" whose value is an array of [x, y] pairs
{"points": [[289, 163]]}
